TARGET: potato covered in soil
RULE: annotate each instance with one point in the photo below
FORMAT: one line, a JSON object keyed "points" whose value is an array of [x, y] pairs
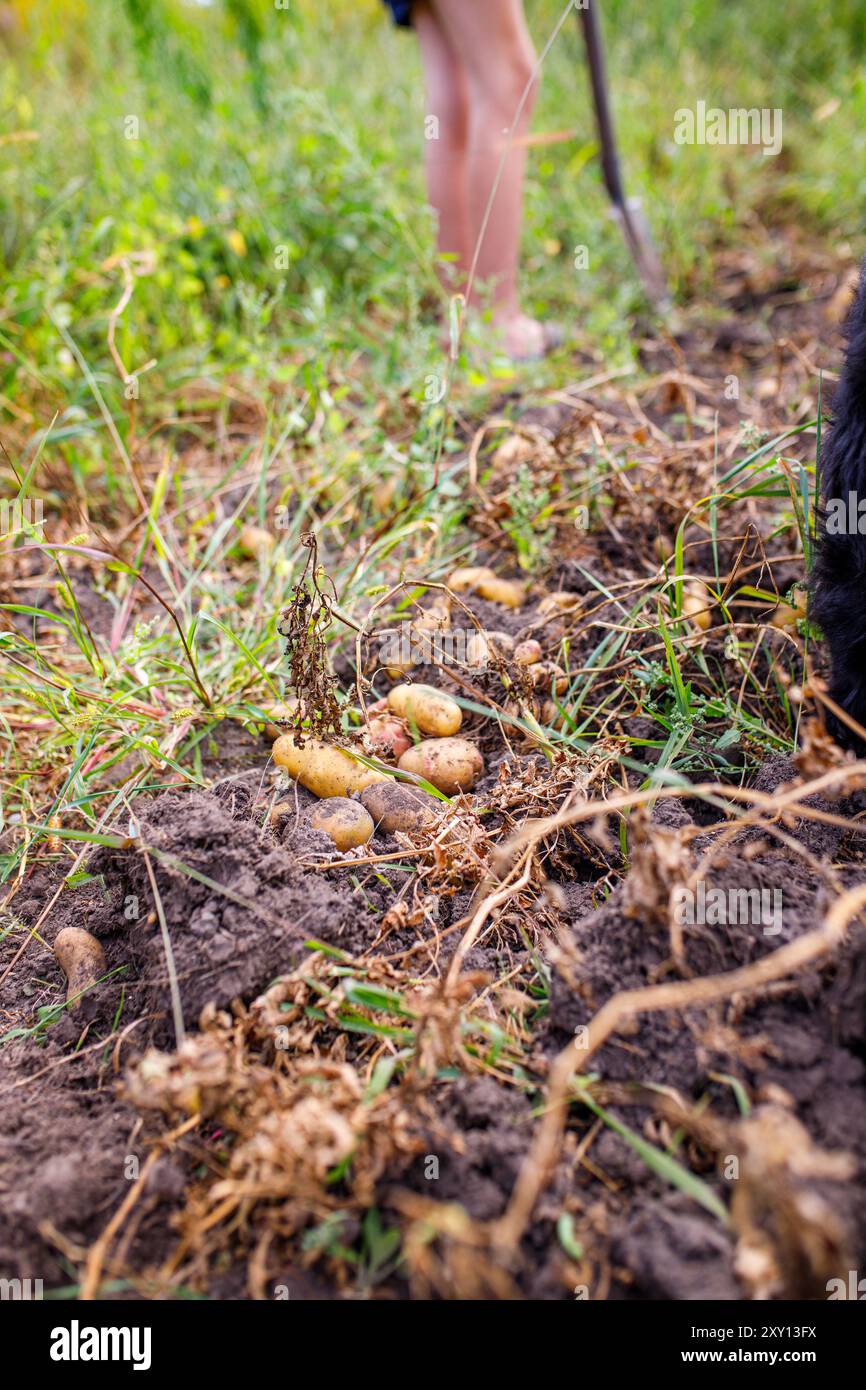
{"points": [[82, 960], [450, 764], [323, 768], [429, 709], [396, 806], [346, 821]]}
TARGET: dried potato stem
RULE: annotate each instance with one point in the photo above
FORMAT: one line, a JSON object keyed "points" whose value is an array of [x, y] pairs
{"points": [[628, 1004]]}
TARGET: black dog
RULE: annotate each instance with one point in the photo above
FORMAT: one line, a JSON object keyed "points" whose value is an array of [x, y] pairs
{"points": [[839, 576]]}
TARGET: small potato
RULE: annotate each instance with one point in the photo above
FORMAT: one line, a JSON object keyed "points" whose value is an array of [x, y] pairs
{"points": [[510, 593], [697, 602], [254, 542], [323, 768], [559, 602], [82, 960], [286, 710], [552, 717], [347, 823], [389, 735], [528, 653], [466, 580], [396, 806], [547, 676], [788, 613], [429, 709], [450, 764], [484, 647]]}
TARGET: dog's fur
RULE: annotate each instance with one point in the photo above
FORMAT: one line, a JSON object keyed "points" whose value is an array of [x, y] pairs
{"points": [[839, 576]]}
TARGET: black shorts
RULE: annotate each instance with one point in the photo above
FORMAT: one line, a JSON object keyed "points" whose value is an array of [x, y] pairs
{"points": [[401, 11]]}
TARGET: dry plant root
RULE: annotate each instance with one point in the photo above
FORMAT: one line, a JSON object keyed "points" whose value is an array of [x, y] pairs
{"points": [[628, 1004]]}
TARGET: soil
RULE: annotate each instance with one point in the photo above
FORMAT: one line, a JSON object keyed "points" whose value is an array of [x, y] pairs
{"points": [[241, 897]]}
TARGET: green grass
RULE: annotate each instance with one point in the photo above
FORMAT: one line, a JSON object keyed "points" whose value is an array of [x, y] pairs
{"points": [[272, 219]]}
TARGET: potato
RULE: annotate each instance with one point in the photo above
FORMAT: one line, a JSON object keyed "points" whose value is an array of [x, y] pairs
{"points": [[788, 613], [552, 717], [347, 823], [255, 541], [396, 667], [697, 602], [559, 602], [466, 580], [482, 580], [429, 709], [389, 735], [286, 710], [508, 592], [82, 960], [483, 647], [396, 806], [528, 653], [450, 764], [321, 767], [547, 676]]}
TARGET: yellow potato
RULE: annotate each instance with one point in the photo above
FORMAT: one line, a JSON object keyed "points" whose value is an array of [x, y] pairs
{"points": [[286, 710], [255, 541], [559, 602], [508, 592], [788, 614], [322, 768], [450, 764], [82, 960], [484, 647], [528, 653], [467, 580], [553, 717], [431, 710], [396, 806], [347, 823], [547, 676], [697, 602]]}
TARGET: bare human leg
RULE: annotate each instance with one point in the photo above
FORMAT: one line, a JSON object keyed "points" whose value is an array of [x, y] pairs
{"points": [[446, 142], [492, 43]]}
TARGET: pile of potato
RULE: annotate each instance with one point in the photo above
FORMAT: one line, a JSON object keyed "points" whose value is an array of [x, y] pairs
{"points": [[355, 798]]}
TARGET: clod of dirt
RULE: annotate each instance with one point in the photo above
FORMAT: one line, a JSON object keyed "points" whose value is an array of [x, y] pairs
{"points": [[82, 960], [237, 907]]}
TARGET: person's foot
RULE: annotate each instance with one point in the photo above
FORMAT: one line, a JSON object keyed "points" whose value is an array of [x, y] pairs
{"points": [[525, 339]]}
